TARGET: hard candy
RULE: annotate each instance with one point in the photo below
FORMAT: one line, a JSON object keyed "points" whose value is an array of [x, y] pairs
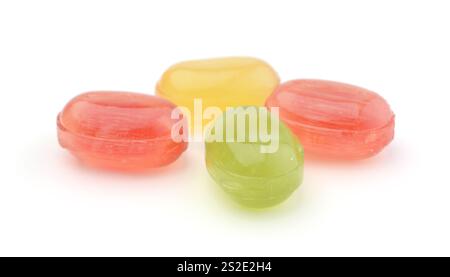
{"points": [[252, 176], [119, 130], [334, 120], [218, 82]]}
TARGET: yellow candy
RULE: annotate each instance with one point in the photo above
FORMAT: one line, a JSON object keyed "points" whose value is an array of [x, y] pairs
{"points": [[219, 82]]}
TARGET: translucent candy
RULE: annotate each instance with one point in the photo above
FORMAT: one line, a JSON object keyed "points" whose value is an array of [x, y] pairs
{"points": [[252, 177], [119, 130], [334, 120], [219, 82]]}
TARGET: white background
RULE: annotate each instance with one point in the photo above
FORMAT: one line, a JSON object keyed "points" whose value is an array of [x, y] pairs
{"points": [[397, 203]]}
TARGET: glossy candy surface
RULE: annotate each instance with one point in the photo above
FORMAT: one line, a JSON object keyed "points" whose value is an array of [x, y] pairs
{"points": [[119, 130], [251, 177], [334, 120], [219, 82]]}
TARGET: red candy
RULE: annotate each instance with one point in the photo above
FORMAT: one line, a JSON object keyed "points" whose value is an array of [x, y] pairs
{"points": [[119, 130], [334, 120]]}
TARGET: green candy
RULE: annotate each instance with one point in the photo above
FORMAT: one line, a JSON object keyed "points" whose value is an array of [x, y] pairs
{"points": [[249, 167]]}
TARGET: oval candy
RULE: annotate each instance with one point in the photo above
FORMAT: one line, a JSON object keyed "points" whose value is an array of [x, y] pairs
{"points": [[252, 176], [119, 130], [334, 120], [218, 82]]}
